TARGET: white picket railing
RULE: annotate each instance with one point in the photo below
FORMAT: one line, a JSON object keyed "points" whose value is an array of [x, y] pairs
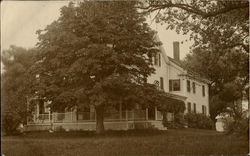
{"points": [[88, 117]]}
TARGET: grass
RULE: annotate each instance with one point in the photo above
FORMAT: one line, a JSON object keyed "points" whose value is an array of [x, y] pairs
{"points": [[125, 143]]}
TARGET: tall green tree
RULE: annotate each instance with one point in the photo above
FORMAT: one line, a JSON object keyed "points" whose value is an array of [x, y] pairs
{"points": [[15, 85], [228, 74], [214, 24], [220, 31], [96, 54]]}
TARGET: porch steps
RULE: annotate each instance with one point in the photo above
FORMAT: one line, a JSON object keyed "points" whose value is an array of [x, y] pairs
{"points": [[158, 125]]}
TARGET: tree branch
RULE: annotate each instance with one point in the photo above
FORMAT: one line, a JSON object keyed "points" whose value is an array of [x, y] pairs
{"points": [[227, 8]]}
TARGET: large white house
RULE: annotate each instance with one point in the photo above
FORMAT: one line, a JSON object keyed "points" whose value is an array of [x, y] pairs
{"points": [[170, 76], [174, 78]]}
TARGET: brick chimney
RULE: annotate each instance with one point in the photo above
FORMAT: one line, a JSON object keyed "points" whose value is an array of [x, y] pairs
{"points": [[176, 50]]}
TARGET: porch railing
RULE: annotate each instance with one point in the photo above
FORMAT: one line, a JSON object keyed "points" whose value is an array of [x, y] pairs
{"points": [[88, 117]]}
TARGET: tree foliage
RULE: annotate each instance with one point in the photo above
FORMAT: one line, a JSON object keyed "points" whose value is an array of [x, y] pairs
{"points": [[96, 54], [220, 30], [15, 85], [228, 74], [211, 24]]}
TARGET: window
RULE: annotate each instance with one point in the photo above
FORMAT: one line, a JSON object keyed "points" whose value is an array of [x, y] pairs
{"points": [[170, 85], [193, 87], [188, 85], [157, 83], [161, 83], [174, 85], [204, 110], [189, 107], [203, 90], [194, 108], [157, 59]]}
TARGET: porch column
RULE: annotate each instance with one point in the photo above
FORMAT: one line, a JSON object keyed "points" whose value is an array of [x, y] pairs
{"points": [[155, 113], [126, 114], [49, 116], [146, 113], [120, 111], [37, 111], [133, 115]]}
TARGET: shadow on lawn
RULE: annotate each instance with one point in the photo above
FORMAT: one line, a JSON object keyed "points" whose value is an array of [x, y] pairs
{"points": [[83, 134]]}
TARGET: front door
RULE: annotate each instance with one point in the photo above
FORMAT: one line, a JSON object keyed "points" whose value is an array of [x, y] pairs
{"points": [[151, 113]]}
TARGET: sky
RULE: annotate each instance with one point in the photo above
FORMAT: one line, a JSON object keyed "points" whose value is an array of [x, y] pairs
{"points": [[21, 19]]}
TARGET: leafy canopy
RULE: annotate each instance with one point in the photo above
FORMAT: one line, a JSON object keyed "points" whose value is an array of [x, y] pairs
{"points": [[15, 84], [96, 53], [220, 31]]}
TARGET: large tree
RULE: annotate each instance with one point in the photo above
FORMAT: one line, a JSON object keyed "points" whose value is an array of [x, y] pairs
{"points": [[222, 24], [15, 85], [227, 72], [220, 31], [96, 54]]}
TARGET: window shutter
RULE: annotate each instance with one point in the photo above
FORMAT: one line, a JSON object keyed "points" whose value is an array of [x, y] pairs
{"points": [[170, 85], [161, 83], [203, 90], [189, 107], [159, 59], [188, 85], [193, 87]]}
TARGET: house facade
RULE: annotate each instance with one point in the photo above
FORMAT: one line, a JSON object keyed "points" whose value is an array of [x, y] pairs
{"points": [[170, 75], [175, 79]]}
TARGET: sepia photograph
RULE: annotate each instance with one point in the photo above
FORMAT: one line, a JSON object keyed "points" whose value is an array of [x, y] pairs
{"points": [[124, 77]]}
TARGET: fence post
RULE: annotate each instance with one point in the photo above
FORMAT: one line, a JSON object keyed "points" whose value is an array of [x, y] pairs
{"points": [[146, 113], [95, 115], [126, 114]]}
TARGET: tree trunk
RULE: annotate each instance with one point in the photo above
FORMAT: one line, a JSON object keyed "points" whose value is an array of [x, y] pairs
{"points": [[99, 119]]}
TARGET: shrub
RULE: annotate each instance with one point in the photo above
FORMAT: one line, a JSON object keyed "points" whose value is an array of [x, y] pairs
{"points": [[10, 124], [178, 122], [236, 126], [198, 121]]}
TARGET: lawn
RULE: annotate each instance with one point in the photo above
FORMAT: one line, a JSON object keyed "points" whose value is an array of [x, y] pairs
{"points": [[125, 143]]}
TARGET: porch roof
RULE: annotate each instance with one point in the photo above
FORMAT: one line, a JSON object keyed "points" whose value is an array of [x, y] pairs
{"points": [[176, 97]]}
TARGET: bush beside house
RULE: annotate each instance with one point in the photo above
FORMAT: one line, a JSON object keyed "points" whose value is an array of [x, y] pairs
{"points": [[178, 122], [198, 121], [236, 126], [10, 124]]}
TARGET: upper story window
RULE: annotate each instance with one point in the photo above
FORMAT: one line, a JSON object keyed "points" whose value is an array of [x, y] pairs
{"points": [[157, 59], [204, 110], [203, 91], [157, 84], [174, 85], [161, 83], [189, 107], [188, 86], [193, 87]]}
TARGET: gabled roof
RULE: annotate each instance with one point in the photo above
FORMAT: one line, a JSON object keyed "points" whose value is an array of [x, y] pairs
{"points": [[190, 73], [178, 63]]}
